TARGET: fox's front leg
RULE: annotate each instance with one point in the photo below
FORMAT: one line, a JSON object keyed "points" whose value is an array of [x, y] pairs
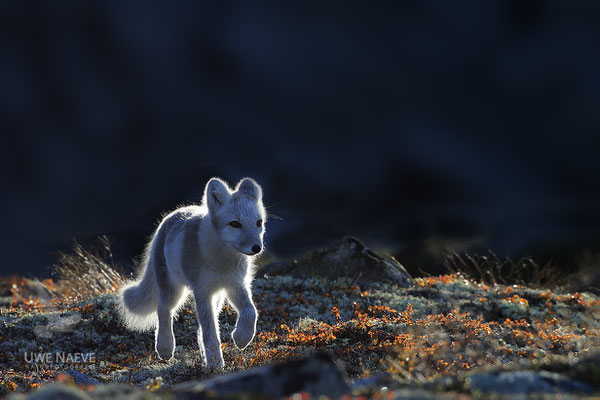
{"points": [[208, 331], [245, 327]]}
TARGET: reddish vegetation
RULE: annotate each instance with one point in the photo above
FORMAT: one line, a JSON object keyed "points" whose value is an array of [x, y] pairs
{"points": [[365, 336], [467, 341]]}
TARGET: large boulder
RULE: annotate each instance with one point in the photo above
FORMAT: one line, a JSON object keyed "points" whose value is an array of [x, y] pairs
{"points": [[526, 382], [349, 258], [317, 375]]}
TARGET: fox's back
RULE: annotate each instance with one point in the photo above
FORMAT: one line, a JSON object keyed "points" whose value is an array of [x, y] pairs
{"points": [[182, 222], [177, 240]]}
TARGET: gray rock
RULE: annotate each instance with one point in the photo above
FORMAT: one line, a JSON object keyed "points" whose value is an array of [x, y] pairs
{"points": [[418, 394], [524, 382], [81, 379], [54, 391], [317, 375], [374, 382], [101, 391], [350, 258], [123, 391], [587, 280]]}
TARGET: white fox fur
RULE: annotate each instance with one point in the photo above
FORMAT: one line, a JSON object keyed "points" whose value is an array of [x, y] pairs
{"points": [[208, 249]]}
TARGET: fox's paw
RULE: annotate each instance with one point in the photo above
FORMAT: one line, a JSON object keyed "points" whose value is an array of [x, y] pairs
{"points": [[215, 362], [242, 337], [165, 347]]}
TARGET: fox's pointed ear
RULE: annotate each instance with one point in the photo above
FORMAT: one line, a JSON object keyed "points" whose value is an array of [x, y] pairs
{"points": [[250, 188], [216, 194]]}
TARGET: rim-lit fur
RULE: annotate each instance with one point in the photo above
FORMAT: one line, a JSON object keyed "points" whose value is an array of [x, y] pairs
{"points": [[197, 248]]}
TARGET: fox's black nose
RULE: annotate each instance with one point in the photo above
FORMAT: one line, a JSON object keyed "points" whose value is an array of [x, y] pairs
{"points": [[256, 249]]}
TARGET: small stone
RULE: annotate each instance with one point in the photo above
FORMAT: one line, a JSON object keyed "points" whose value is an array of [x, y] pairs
{"points": [[317, 375]]}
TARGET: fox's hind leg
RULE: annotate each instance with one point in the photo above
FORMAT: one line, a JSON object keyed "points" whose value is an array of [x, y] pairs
{"points": [[209, 341], [171, 297]]}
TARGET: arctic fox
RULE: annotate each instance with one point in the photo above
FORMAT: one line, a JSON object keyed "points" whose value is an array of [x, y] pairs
{"points": [[208, 249]]}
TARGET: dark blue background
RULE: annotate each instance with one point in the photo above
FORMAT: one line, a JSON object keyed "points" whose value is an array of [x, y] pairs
{"points": [[411, 124]]}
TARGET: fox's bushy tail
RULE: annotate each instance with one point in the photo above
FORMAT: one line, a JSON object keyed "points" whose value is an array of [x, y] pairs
{"points": [[138, 299]]}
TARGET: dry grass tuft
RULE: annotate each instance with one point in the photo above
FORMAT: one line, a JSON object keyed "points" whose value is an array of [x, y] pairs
{"points": [[489, 268], [87, 272]]}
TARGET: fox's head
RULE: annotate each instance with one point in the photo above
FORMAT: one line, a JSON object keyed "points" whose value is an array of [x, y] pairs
{"points": [[238, 216]]}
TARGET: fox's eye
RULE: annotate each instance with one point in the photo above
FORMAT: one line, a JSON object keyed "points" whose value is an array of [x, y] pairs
{"points": [[259, 222], [235, 224]]}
